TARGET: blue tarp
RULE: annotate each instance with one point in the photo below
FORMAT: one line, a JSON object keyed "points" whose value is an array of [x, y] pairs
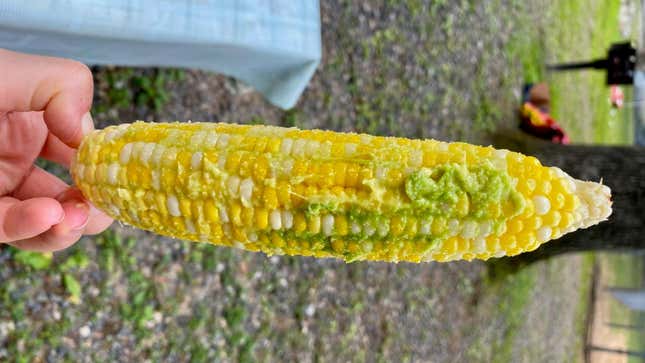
{"points": [[273, 45]]}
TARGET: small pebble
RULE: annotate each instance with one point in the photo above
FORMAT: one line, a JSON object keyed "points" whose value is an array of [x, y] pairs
{"points": [[84, 331]]}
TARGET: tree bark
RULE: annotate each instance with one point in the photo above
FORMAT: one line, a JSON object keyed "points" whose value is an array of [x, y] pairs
{"points": [[619, 167]]}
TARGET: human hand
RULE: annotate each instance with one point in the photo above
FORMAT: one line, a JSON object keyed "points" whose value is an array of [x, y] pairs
{"points": [[44, 112]]}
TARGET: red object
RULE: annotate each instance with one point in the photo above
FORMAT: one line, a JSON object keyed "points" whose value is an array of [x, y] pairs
{"points": [[541, 124], [616, 96]]}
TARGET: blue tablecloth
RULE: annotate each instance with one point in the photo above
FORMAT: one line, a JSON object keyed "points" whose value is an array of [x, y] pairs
{"points": [[273, 45]]}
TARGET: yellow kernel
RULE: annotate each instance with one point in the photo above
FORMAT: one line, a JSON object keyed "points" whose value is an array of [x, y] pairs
{"points": [[339, 174], [463, 205], [185, 207], [507, 242], [571, 202], [233, 162], [273, 145], [270, 198], [299, 222], [438, 225], [352, 176], [543, 188], [340, 224], [247, 217], [277, 241], [261, 218], [396, 225], [239, 235], [515, 226], [260, 168], [338, 245], [525, 239], [566, 220], [450, 246], [552, 218], [558, 201], [533, 223], [235, 213], [212, 214], [492, 244], [314, 224], [284, 193], [326, 178]]}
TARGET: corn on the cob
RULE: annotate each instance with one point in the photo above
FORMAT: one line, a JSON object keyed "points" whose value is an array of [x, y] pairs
{"points": [[326, 194]]}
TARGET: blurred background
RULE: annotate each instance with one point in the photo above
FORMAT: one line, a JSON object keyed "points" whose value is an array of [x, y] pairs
{"points": [[449, 70]]}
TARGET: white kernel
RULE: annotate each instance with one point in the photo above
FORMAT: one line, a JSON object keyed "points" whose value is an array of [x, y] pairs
{"points": [[453, 227], [426, 227], [479, 245], [328, 224], [173, 206], [221, 161], [544, 234], [190, 227], [500, 154], [198, 138], [287, 219], [146, 152], [285, 147], [222, 142], [223, 214], [299, 147], [80, 170], [196, 160], [383, 229], [137, 148], [325, 149], [275, 219], [350, 149], [368, 228], [442, 146], [115, 210], [287, 166], [253, 237], [124, 156], [381, 173], [356, 228], [155, 180], [233, 185], [500, 253], [485, 229], [246, 191], [542, 205], [416, 158], [211, 139], [312, 147], [157, 154], [113, 173], [470, 229]]}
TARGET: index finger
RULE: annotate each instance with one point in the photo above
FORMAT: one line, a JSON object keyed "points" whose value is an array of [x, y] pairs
{"points": [[62, 88]]}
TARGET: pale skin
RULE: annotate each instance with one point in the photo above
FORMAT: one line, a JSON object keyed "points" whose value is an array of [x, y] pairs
{"points": [[44, 112]]}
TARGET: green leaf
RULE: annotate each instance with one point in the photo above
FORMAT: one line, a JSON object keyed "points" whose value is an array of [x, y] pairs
{"points": [[35, 260], [73, 287]]}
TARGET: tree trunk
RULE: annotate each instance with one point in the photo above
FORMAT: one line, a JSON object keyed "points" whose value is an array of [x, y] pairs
{"points": [[621, 168]]}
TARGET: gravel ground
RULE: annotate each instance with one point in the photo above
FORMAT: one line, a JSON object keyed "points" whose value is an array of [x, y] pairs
{"points": [[434, 69]]}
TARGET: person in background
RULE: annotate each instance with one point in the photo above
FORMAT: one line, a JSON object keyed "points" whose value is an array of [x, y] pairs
{"points": [[44, 112], [535, 118]]}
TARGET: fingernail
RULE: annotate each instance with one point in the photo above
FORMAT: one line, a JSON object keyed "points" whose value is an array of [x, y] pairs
{"points": [[87, 124], [80, 212]]}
